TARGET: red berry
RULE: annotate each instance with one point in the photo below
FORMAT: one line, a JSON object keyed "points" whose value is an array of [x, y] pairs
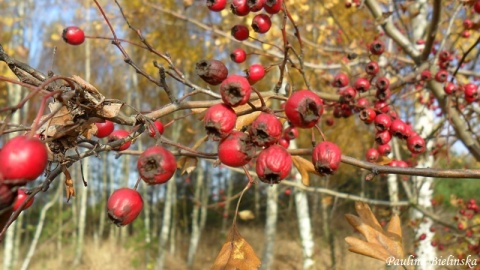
{"points": [[377, 47], [290, 133], [466, 34], [326, 157], [384, 149], [361, 104], [450, 88], [240, 32], [118, 135], [240, 7], [340, 80], [362, 85], [283, 142], [348, 94], [236, 150], [273, 164], [445, 56], [22, 159], [288, 192], [426, 75], [211, 71], [383, 95], [216, 5], [235, 90], [441, 76], [382, 83], [261, 23], [422, 237], [398, 128], [461, 226], [156, 165], [367, 115], [238, 56], [304, 108], [382, 106], [383, 137], [273, 6], [255, 5], [476, 6], [330, 121], [372, 68], [470, 92], [255, 73], [416, 144], [372, 155], [73, 35], [265, 130], [124, 206], [219, 121], [383, 122], [152, 131], [104, 129], [21, 197]]}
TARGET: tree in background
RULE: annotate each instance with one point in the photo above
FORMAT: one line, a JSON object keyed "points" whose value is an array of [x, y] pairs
{"points": [[263, 88]]}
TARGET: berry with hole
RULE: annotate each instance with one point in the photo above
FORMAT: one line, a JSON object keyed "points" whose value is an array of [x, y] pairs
{"points": [[235, 90], [416, 144], [450, 88], [73, 35], [273, 6], [216, 5], [426, 75], [445, 56], [372, 68], [255, 5], [382, 83], [470, 92], [383, 137], [384, 149], [236, 150], [348, 94], [124, 206], [367, 115], [340, 80], [238, 56], [240, 7], [118, 135], [22, 159], [219, 121], [211, 71], [441, 76], [362, 85], [273, 164], [265, 130], [383, 95], [104, 129], [377, 47], [372, 155], [240, 32], [304, 108], [383, 122], [398, 128], [290, 133], [261, 23], [326, 157], [156, 165]]}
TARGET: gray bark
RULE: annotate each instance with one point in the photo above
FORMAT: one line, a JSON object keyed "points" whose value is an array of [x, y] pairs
{"points": [[268, 256]]}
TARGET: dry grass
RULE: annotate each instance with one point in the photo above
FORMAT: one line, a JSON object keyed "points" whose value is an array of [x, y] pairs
{"points": [[108, 255]]}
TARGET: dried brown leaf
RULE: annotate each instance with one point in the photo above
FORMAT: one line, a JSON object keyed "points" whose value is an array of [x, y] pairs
{"points": [[236, 254], [379, 244], [90, 131], [383, 160], [245, 120], [246, 215], [90, 88], [304, 167], [68, 184], [190, 165], [110, 110]]}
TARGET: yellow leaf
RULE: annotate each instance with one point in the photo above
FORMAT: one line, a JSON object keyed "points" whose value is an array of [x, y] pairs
{"points": [[304, 167], [246, 215], [236, 254]]}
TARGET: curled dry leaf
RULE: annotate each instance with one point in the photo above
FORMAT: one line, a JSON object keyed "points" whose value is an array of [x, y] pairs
{"points": [[246, 215], [68, 184], [378, 244], [304, 167], [236, 254], [189, 164]]}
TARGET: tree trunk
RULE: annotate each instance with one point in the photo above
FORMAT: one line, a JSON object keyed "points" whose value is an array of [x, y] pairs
{"points": [[196, 226], [228, 203], [167, 210], [82, 218], [268, 256], [39, 229]]}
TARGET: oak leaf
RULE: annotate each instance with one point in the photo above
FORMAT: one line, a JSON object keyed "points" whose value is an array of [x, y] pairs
{"points": [[236, 254], [378, 244]]}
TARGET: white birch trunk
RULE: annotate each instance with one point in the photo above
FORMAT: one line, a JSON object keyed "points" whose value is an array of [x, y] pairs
{"points": [[424, 126], [165, 231], [270, 228], [196, 226]]}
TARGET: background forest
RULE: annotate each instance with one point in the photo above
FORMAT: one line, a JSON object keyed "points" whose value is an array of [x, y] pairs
{"points": [[185, 221]]}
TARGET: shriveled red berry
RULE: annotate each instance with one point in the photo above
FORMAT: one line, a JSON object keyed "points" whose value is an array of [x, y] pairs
{"points": [[382, 83], [383, 137], [22, 159], [104, 129], [152, 131], [398, 128], [361, 104], [384, 149], [238, 56], [326, 157], [372, 68], [21, 197], [362, 85], [441, 76], [219, 121], [255, 5], [416, 144], [211, 71], [348, 94], [216, 5], [383, 95], [372, 155], [367, 115], [265, 130], [124, 206], [73, 35], [240, 32], [304, 108], [340, 80], [156, 165], [273, 6], [273, 164], [261, 23], [383, 122], [290, 133], [445, 56], [382, 106], [377, 47], [118, 135], [240, 7], [236, 150], [426, 75], [235, 90], [255, 73]]}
